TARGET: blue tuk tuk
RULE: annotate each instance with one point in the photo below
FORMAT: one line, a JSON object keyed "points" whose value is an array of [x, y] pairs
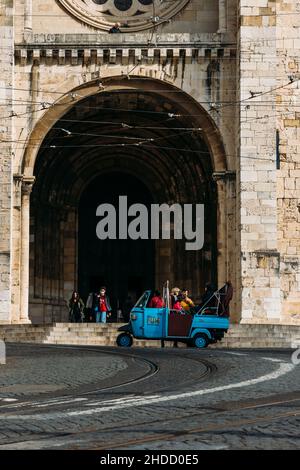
{"points": [[197, 327]]}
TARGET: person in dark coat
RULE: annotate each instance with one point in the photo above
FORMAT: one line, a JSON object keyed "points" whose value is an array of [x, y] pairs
{"points": [[76, 307], [209, 290], [226, 296]]}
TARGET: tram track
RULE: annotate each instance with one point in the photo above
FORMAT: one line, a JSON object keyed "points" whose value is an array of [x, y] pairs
{"points": [[217, 409], [226, 407], [92, 427], [153, 369], [160, 436]]}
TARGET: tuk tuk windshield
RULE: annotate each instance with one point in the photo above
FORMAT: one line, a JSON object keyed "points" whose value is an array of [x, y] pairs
{"points": [[142, 302]]}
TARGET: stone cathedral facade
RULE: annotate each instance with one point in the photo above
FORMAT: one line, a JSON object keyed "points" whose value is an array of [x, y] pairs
{"points": [[192, 101]]}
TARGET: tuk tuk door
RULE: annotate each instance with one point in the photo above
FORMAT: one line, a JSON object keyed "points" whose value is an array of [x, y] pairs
{"points": [[179, 323], [154, 322], [147, 322]]}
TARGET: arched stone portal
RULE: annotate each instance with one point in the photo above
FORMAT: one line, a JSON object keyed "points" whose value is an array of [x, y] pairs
{"points": [[126, 267], [147, 131]]}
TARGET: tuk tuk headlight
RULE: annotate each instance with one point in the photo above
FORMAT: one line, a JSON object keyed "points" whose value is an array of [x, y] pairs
{"points": [[133, 317]]}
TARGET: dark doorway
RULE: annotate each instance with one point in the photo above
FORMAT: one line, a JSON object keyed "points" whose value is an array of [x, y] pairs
{"points": [[123, 266]]}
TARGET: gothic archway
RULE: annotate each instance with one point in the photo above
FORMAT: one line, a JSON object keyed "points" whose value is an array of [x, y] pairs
{"points": [[162, 138]]}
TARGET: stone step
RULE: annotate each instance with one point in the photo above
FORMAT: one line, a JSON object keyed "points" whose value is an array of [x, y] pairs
{"points": [[273, 342], [238, 336], [170, 343]]}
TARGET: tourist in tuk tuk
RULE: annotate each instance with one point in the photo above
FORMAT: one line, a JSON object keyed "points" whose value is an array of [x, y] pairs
{"points": [[173, 296], [156, 301], [178, 304], [209, 291], [187, 302]]}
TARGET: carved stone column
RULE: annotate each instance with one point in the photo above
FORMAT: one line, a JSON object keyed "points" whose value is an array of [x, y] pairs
{"points": [[27, 184], [222, 16], [6, 155], [16, 248], [222, 178], [28, 16]]}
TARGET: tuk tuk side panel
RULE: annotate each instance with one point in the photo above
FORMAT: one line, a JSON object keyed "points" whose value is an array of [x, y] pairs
{"points": [[179, 324], [209, 325], [210, 321], [137, 322]]}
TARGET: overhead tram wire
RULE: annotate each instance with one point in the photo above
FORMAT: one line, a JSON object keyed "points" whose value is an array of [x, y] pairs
{"points": [[142, 146], [280, 113], [252, 97], [169, 115], [72, 133], [137, 91], [47, 105], [135, 78]]}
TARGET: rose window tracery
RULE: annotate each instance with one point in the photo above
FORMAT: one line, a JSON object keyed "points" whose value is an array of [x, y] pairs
{"points": [[133, 15]]}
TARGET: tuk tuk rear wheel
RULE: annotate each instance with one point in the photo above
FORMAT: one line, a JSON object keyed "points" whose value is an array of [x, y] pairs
{"points": [[200, 340], [124, 340]]}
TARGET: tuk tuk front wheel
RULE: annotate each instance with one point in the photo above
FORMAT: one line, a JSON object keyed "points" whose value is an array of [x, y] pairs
{"points": [[124, 340], [200, 340]]}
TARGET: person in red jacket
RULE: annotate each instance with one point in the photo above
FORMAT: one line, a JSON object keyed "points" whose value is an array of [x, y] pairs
{"points": [[103, 308], [156, 301]]}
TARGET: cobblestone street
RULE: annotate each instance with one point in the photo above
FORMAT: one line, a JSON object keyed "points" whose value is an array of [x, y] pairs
{"points": [[103, 398]]}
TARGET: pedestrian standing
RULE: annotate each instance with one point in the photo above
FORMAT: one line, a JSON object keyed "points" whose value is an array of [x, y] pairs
{"points": [[76, 307], [102, 308], [90, 307]]}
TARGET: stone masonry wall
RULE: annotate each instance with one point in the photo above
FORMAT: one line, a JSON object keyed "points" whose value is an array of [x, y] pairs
{"points": [[269, 177], [288, 182], [260, 279]]}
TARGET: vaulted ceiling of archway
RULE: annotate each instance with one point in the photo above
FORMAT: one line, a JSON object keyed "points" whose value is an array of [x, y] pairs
{"points": [[125, 131]]}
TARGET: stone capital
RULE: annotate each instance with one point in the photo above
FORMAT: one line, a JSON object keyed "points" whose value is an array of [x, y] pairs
{"points": [[27, 184], [223, 175]]}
